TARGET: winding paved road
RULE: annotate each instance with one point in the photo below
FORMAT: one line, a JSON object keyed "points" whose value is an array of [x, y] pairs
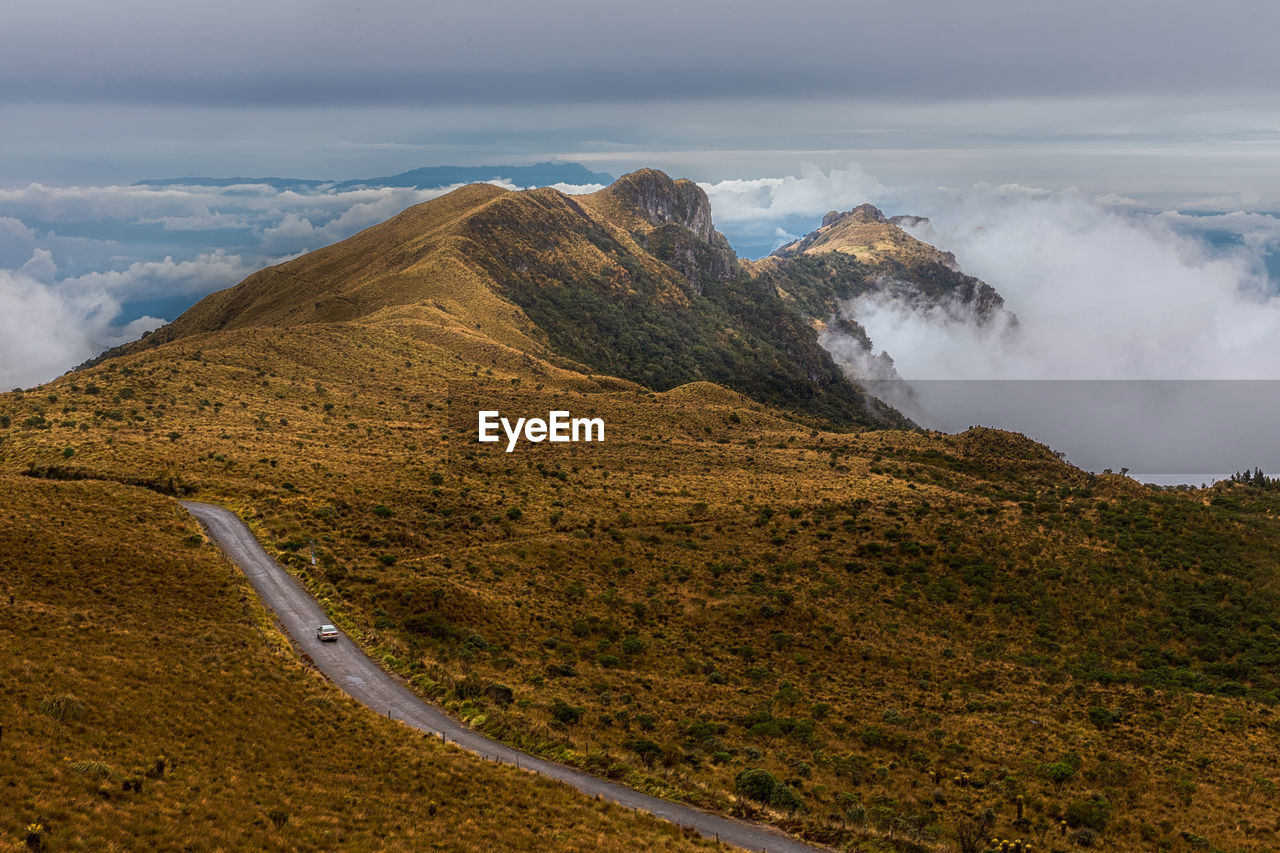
{"points": [[354, 672]]}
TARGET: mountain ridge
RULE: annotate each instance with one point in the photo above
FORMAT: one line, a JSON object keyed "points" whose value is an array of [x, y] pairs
{"points": [[633, 280]]}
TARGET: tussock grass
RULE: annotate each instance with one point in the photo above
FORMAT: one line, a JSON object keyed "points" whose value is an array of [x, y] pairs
{"points": [[111, 602], [63, 707], [96, 771]]}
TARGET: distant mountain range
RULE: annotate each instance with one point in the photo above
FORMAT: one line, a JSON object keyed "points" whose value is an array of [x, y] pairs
{"points": [[427, 177]]}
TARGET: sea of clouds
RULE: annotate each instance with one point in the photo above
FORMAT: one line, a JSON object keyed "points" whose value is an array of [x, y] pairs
{"points": [[86, 268], [1146, 339], [1105, 289]]}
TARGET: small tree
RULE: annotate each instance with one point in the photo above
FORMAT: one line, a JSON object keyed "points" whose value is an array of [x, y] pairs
{"points": [[756, 784], [1061, 771]]}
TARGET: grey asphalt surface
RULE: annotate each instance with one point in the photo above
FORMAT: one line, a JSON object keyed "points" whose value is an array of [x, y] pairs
{"points": [[357, 674]]}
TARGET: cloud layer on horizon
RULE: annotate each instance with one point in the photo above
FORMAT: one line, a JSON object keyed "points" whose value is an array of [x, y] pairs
{"points": [[47, 327], [1152, 325], [65, 289], [1082, 274], [1099, 292]]}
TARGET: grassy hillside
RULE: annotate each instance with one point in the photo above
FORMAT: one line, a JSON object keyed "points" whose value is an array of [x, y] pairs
{"points": [[148, 703], [883, 640]]}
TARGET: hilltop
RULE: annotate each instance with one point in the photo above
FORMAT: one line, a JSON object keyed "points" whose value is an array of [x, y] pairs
{"points": [[860, 253], [876, 636]]}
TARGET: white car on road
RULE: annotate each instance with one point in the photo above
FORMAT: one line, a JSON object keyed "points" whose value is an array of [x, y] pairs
{"points": [[327, 633]]}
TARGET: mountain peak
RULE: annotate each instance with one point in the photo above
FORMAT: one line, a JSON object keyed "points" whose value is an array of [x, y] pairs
{"points": [[862, 214], [656, 198], [867, 234], [883, 251]]}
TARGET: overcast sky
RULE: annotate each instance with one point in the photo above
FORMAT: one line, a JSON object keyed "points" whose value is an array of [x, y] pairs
{"points": [[1139, 95]]}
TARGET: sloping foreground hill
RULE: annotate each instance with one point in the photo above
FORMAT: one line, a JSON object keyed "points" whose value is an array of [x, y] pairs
{"points": [[881, 639], [134, 656]]}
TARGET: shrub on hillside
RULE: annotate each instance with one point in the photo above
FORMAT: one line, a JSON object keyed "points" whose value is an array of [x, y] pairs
{"points": [[1091, 813], [646, 750], [1060, 772], [756, 784], [564, 713], [785, 797]]}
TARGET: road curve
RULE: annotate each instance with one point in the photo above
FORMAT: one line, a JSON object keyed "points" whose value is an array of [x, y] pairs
{"points": [[354, 672]]}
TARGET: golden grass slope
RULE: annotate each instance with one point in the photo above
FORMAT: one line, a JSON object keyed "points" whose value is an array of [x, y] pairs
{"points": [[865, 234], [133, 654], [410, 267], [903, 628]]}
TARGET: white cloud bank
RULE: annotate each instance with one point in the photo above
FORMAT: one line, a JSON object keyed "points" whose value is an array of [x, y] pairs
{"points": [[767, 201], [1103, 288], [47, 326], [1126, 303], [1100, 293]]}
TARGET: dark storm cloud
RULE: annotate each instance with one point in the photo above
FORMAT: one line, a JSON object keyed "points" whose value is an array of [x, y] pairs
{"points": [[309, 53]]}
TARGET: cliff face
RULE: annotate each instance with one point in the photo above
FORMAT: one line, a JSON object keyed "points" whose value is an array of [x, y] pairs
{"points": [[655, 198], [672, 220]]}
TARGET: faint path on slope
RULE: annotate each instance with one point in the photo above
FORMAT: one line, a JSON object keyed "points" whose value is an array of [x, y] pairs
{"points": [[354, 672]]}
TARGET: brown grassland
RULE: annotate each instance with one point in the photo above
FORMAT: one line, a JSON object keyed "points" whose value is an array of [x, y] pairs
{"points": [[877, 639], [134, 653], [905, 629]]}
